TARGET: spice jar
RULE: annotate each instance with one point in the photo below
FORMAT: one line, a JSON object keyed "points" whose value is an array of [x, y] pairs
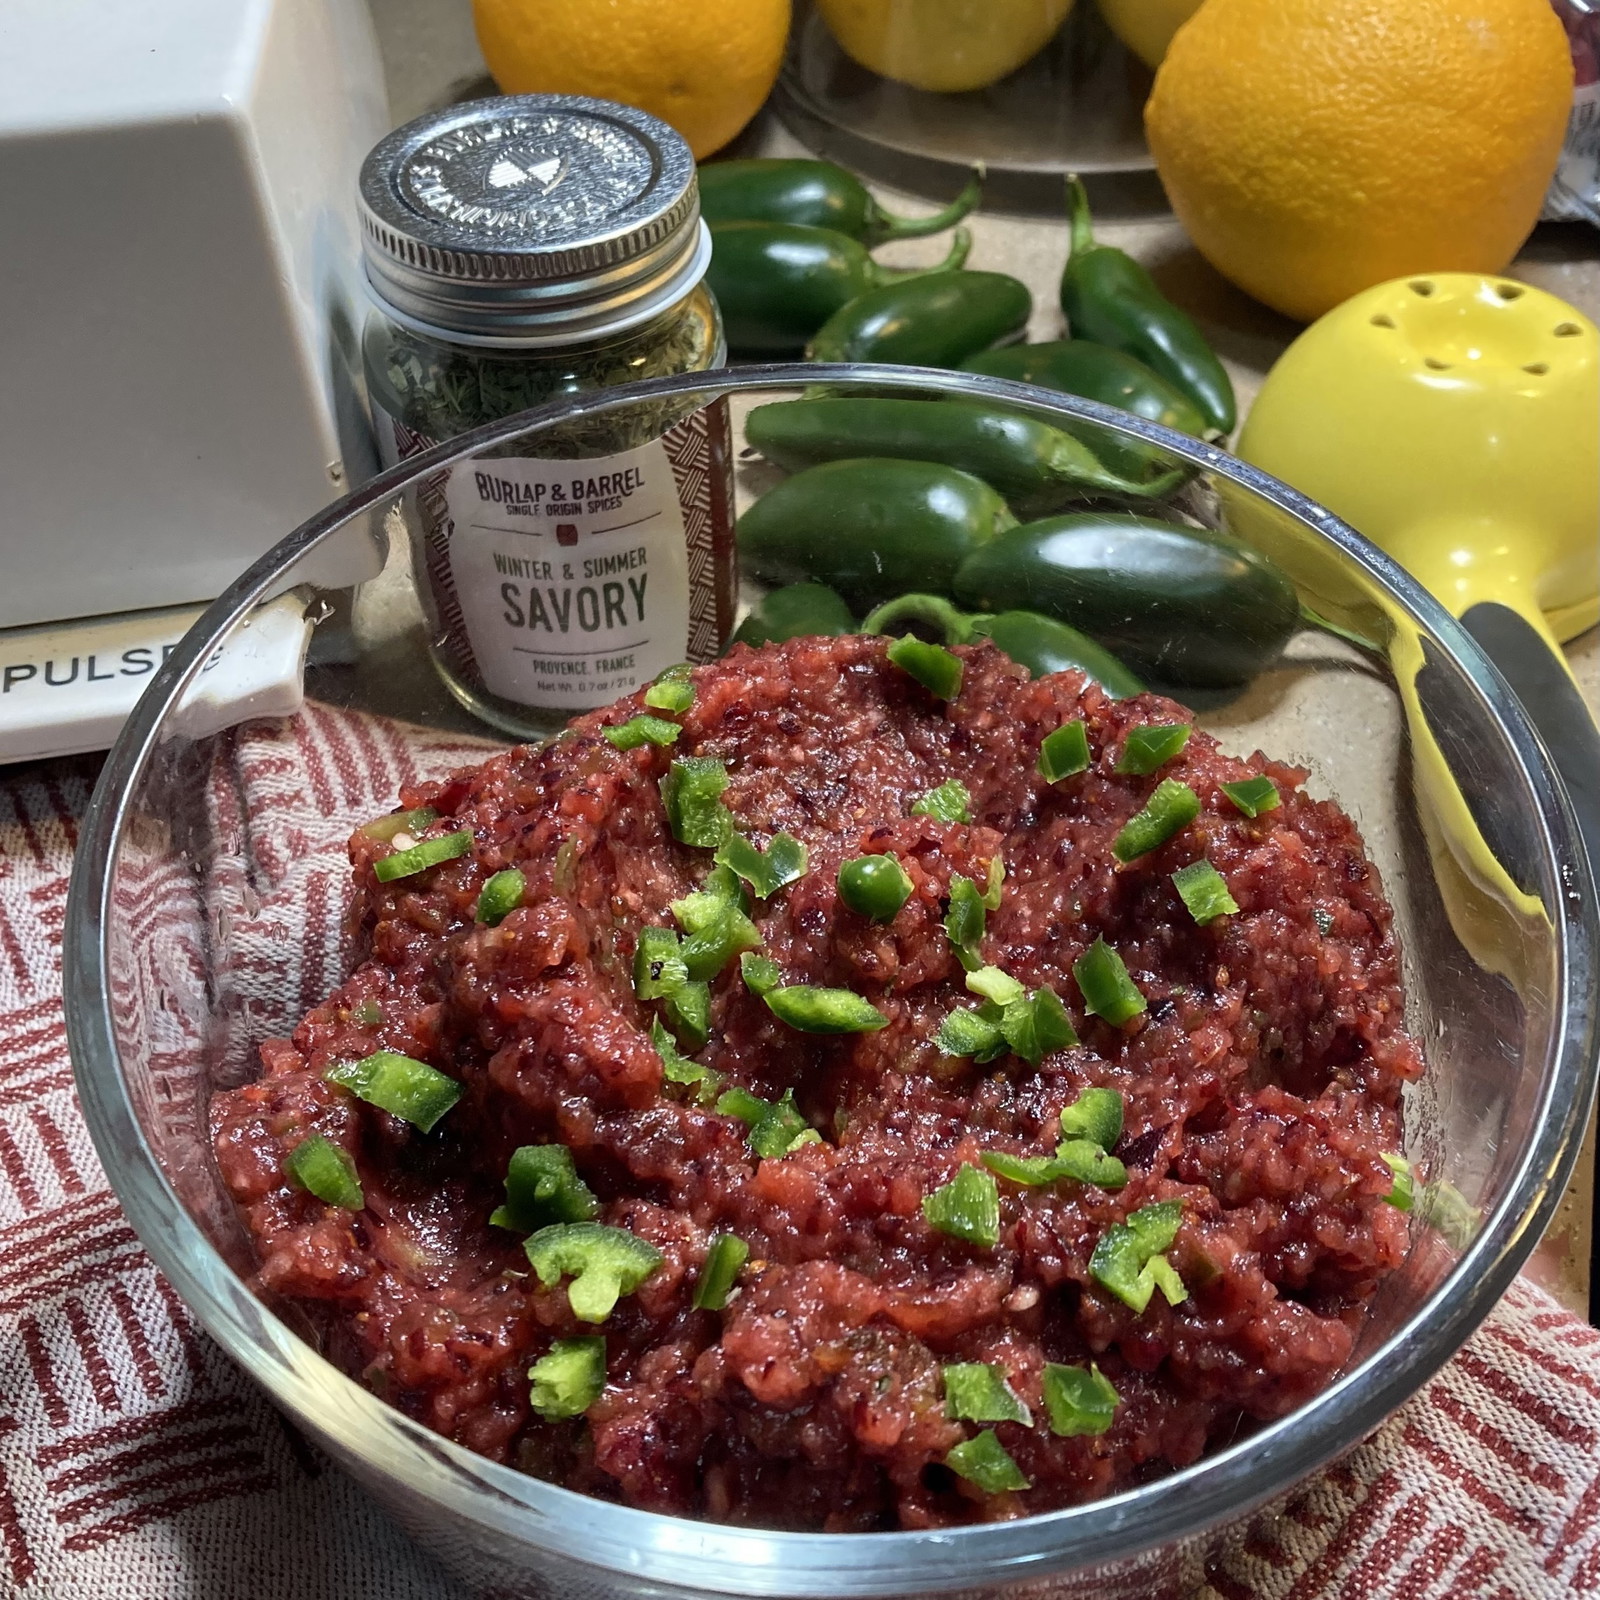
{"points": [[520, 249]]}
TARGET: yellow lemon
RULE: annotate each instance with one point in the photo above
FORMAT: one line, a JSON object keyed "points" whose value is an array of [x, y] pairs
{"points": [[943, 45], [1314, 148], [704, 66], [1147, 26]]}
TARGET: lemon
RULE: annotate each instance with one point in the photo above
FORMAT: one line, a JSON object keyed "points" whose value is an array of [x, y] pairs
{"points": [[1314, 148], [704, 66], [943, 45], [1147, 26]]}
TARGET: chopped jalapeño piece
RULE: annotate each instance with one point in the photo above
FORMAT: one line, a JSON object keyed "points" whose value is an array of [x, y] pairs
{"points": [[964, 921], [766, 871], [419, 857], [642, 730], [949, 802], [1205, 892], [813, 1010], [984, 1461], [761, 974], [658, 966], [691, 793], [385, 828], [499, 897], [1402, 1192], [1252, 796], [725, 1258], [1108, 991], [408, 1089], [968, 1207], [327, 1171], [602, 1263], [672, 691], [1169, 810], [1152, 746], [542, 1187], [1064, 753], [1095, 1115], [978, 1391], [1128, 1259], [931, 665], [1078, 1400], [874, 886], [569, 1379]]}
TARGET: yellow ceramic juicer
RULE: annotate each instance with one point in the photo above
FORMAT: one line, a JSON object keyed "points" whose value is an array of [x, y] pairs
{"points": [[1453, 419]]}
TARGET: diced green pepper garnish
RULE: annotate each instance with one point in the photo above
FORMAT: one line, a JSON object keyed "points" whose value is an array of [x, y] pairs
{"points": [[1323, 919], [499, 897], [672, 691], [977, 1391], [930, 664], [761, 974], [1253, 795], [408, 1089], [983, 1460], [972, 1033], [1030, 1171], [422, 855], [688, 1014], [812, 1010], [717, 931], [384, 829], [968, 1207], [568, 1380], [1096, 1115], [677, 1068], [691, 793], [1204, 891], [640, 730], [542, 1187], [1128, 1262], [1169, 810], [995, 985], [369, 1014], [1064, 753], [775, 1129], [725, 1258], [603, 1264], [766, 871], [1085, 1162], [1078, 1400], [327, 1171], [874, 886], [1037, 1025], [964, 920], [1402, 1193], [658, 967], [1152, 746], [1107, 989], [950, 802]]}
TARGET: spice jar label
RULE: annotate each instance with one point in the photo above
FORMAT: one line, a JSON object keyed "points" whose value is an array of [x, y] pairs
{"points": [[572, 576]]}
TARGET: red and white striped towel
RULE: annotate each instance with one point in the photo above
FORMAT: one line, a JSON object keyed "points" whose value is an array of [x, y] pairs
{"points": [[135, 1461]]}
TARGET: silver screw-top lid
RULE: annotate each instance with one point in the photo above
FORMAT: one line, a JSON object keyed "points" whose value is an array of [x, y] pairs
{"points": [[532, 219]]}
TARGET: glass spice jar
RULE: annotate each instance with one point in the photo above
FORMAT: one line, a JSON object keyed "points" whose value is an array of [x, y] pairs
{"points": [[519, 249]]}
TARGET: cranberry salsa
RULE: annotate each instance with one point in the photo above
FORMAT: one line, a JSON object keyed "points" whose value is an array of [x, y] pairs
{"points": [[846, 1086]]}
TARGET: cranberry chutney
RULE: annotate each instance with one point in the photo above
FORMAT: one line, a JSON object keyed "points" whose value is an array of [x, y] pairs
{"points": [[845, 1086]]}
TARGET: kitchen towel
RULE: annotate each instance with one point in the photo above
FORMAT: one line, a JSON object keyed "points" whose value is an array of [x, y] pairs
{"points": [[136, 1460]]}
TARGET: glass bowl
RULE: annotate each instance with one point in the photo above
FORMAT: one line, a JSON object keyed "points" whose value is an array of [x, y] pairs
{"points": [[1381, 695]]}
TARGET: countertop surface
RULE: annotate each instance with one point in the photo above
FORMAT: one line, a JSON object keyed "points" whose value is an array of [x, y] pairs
{"points": [[431, 57]]}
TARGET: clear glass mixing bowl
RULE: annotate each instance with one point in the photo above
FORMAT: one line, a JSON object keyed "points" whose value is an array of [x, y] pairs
{"points": [[1381, 695]]}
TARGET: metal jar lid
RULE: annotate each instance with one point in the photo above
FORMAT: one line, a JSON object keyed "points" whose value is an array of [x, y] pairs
{"points": [[535, 219]]}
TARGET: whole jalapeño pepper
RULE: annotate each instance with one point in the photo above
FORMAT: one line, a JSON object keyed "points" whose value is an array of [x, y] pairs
{"points": [[819, 195], [1033, 464], [937, 320], [778, 282], [1109, 298]]}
